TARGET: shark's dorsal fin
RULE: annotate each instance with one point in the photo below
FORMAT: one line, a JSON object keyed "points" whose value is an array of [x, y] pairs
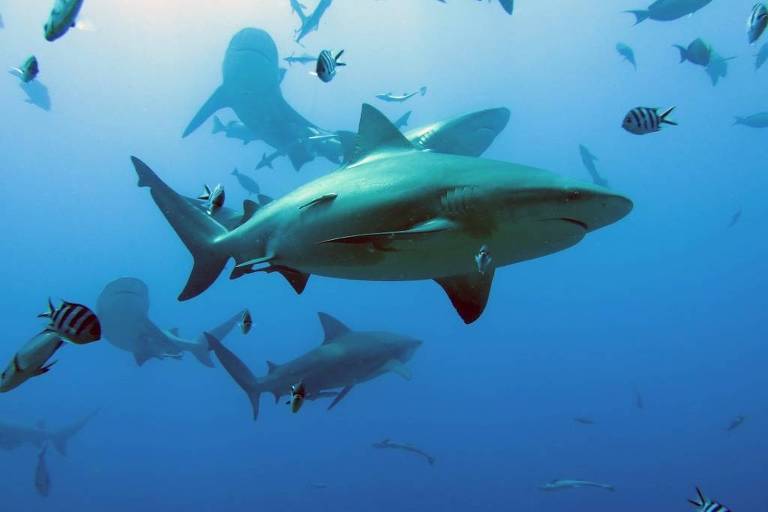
{"points": [[468, 293], [174, 331], [376, 133], [332, 328], [249, 208], [264, 200], [271, 367]]}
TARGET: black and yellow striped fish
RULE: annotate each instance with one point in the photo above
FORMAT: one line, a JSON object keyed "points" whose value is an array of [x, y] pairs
{"points": [[703, 504], [73, 322]]}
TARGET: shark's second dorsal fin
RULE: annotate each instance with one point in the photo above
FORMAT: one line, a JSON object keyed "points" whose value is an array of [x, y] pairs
{"points": [[174, 331], [376, 133], [249, 208], [332, 328], [271, 367]]}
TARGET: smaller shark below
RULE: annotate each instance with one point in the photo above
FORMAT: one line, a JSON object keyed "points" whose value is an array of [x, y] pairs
{"points": [[344, 359], [123, 309], [14, 436], [387, 444], [561, 485]]}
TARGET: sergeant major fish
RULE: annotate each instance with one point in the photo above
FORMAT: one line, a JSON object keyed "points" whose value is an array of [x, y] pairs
{"points": [[27, 71], [326, 65], [63, 16], [644, 120], [215, 198], [757, 22], [73, 322], [704, 504]]}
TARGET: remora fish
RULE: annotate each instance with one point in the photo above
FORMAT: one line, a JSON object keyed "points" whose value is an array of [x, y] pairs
{"points": [[300, 59], [561, 485], [669, 10], [42, 478], [311, 22], [389, 445], [123, 306], [14, 436], [63, 16], [345, 359], [424, 221], [27, 71], [251, 88], [759, 120], [628, 54], [391, 97], [31, 360], [588, 159], [233, 130]]}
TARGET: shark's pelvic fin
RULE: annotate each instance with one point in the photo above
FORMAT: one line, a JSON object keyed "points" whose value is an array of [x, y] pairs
{"points": [[296, 278], [238, 371], [197, 230], [344, 392], [396, 366], [468, 293], [425, 228], [271, 367], [216, 102], [376, 133], [332, 328]]}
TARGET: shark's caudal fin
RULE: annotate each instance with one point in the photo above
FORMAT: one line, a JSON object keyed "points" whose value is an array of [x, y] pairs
{"points": [[218, 126], [197, 230], [238, 371], [640, 15], [216, 102], [61, 438]]}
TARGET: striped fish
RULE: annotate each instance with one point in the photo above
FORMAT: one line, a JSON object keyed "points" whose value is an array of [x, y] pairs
{"points": [[214, 199], [73, 322], [757, 22], [703, 504], [644, 120], [326, 65]]}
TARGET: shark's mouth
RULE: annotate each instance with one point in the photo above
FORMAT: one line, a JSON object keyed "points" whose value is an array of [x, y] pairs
{"points": [[577, 222]]}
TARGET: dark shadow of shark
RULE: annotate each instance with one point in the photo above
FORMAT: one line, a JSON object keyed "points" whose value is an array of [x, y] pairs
{"points": [[14, 436], [251, 87]]}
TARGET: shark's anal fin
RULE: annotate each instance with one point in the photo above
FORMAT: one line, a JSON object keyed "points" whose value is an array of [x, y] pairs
{"points": [[216, 102], [333, 328], [344, 392], [396, 366], [425, 228], [324, 199], [468, 293]]}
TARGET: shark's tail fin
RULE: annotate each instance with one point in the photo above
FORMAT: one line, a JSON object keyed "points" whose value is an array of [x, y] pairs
{"points": [[198, 230], [238, 371], [683, 52], [423, 90], [61, 438], [218, 126], [640, 15]]}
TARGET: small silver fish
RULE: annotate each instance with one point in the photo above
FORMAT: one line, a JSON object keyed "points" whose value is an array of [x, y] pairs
{"points": [[483, 260], [215, 199]]}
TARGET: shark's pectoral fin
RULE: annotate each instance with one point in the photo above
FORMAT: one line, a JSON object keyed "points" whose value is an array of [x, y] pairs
{"points": [[216, 102], [468, 293], [425, 228], [396, 366], [141, 358], [44, 369], [344, 392]]}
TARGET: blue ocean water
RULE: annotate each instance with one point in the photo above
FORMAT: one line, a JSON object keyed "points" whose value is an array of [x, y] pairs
{"points": [[668, 302]]}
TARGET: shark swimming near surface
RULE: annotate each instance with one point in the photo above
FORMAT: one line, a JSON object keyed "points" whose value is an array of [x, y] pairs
{"points": [[123, 309], [345, 359], [396, 213], [14, 436], [251, 88]]}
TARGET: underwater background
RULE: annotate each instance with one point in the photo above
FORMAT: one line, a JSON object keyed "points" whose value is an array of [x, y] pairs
{"points": [[668, 303]]}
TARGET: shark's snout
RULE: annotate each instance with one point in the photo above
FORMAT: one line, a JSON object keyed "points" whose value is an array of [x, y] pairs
{"points": [[593, 207]]}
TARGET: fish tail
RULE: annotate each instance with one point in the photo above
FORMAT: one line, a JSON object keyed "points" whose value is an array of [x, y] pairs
{"points": [[198, 231], [218, 126], [423, 90], [49, 313], [683, 52], [640, 15], [663, 117]]}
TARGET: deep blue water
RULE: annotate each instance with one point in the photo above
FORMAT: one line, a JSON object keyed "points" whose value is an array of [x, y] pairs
{"points": [[669, 301]]}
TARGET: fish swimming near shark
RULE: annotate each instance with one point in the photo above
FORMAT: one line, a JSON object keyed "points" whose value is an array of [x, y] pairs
{"points": [[233, 130], [123, 307], [42, 477], [588, 159], [399, 98], [386, 444], [311, 22], [248, 183], [15, 436], [669, 10], [345, 359], [717, 67], [628, 53], [31, 360], [304, 58], [704, 504], [27, 71], [251, 88], [698, 52], [562, 485], [425, 221]]}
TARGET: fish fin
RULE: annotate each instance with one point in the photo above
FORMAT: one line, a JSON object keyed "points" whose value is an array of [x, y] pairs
{"points": [[695, 503], [249, 208], [375, 133], [218, 126], [246, 267], [468, 293], [281, 74], [197, 230], [396, 366], [264, 200], [238, 371], [45, 368], [324, 199], [271, 367], [423, 90], [18, 73], [663, 117], [296, 278], [332, 328], [702, 498], [216, 102], [425, 228], [49, 313], [344, 392], [640, 15], [338, 56]]}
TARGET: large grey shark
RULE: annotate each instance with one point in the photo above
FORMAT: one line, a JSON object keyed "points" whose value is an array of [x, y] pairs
{"points": [[396, 213], [14, 436], [311, 22], [251, 87], [123, 309], [345, 358]]}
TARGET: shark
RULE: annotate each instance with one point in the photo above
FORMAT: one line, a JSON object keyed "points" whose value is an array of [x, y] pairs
{"points": [[345, 359], [123, 309], [668, 10], [561, 485], [396, 213], [310, 22], [251, 88], [13, 436]]}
